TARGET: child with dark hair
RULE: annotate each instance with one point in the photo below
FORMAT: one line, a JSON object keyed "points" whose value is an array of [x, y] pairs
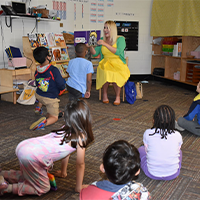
{"points": [[36, 155], [191, 120], [121, 164], [80, 74], [49, 84], [161, 155]]}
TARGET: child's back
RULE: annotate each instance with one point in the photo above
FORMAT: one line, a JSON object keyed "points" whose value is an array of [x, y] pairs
{"points": [[161, 155], [80, 74], [78, 69]]}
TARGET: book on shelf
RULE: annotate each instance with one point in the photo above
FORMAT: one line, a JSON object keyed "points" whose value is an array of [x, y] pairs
{"points": [[13, 52], [42, 39], [59, 40], [179, 49], [62, 70], [56, 52], [50, 39], [33, 39], [64, 54]]}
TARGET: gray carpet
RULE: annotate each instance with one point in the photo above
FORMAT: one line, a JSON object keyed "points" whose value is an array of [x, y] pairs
{"points": [[135, 119]]}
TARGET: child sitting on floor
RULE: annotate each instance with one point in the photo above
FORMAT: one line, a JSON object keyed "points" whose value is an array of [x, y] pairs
{"points": [[121, 164], [191, 121], [36, 155], [80, 74], [161, 155], [49, 84]]}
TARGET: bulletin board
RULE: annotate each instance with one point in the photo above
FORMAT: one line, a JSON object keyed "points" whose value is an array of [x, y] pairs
{"points": [[130, 31]]}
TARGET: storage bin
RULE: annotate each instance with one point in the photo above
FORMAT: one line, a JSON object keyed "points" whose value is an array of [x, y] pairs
{"points": [[177, 75]]}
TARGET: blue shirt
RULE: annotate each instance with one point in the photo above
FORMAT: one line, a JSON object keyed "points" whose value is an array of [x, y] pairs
{"points": [[78, 69]]}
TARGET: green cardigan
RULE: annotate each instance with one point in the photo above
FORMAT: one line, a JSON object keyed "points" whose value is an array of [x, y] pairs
{"points": [[121, 45]]}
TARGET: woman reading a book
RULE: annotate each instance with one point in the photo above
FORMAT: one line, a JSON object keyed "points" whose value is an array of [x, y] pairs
{"points": [[112, 66]]}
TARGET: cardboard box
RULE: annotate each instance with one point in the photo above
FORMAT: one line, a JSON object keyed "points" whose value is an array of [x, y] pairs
{"points": [[44, 12]]}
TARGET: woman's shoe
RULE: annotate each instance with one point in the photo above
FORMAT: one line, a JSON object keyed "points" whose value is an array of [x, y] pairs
{"points": [[106, 102], [116, 103]]}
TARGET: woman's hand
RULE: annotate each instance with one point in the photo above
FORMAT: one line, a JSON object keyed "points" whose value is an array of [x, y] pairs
{"points": [[58, 173], [101, 42], [87, 45]]}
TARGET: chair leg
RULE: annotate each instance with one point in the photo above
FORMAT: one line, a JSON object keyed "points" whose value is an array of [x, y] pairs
{"points": [[123, 95], [100, 94]]}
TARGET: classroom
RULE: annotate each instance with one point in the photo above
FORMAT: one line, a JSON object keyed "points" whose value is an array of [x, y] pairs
{"points": [[161, 64]]}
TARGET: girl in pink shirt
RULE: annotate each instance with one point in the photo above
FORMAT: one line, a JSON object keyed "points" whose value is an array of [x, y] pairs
{"points": [[36, 155]]}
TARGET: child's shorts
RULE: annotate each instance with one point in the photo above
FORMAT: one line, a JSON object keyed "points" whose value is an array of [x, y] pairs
{"points": [[52, 105]]}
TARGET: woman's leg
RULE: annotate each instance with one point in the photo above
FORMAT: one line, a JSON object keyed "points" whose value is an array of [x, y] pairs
{"points": [[117, 93], [105, 91]]}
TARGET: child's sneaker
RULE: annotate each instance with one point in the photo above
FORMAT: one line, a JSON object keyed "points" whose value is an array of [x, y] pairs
{"points": [[178, 127], [3, 185], [38, 110], [39, 124]]}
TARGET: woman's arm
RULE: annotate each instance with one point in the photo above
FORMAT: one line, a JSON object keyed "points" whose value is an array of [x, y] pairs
{"points": [[121, 45], [80, 167], [109, 47]]}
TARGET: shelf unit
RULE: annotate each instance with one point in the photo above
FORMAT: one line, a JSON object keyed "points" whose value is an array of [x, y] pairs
{"points": [[28, 53], [182, 64], [37, 19]]}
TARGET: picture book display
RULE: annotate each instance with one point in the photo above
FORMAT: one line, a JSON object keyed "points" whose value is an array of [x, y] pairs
{"points": [[56, 52], [33, 39], [59, 40], [42, 39], [64, 54], [62, 70], [50, 39]]}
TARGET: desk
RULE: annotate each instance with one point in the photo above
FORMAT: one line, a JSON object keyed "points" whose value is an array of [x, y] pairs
{"points": [[5, 90]]}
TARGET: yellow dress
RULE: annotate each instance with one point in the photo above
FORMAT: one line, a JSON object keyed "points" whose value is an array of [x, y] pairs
{"points": [[111, 69]]}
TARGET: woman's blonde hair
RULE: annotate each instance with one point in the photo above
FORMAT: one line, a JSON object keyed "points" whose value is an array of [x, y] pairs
{"points": [[113, 31]]}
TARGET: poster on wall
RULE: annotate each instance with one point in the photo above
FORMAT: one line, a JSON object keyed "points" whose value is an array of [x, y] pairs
{"points": [[110, 3], [93, 11], [100, 11], [129, 29], [60, 7]]}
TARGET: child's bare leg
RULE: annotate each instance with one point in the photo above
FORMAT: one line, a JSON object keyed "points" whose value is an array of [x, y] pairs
{"points": [[63, 172], [40, 105], [51, 119]]}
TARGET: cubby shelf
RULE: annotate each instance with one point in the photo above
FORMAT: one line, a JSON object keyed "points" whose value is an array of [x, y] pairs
{"points": [[172, 64]]}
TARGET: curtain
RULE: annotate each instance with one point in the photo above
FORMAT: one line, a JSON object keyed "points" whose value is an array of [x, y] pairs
{"points": [[175, 18]]}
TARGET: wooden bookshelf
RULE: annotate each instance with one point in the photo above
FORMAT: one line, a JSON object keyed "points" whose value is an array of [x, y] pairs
{"points": [[172, 64]]}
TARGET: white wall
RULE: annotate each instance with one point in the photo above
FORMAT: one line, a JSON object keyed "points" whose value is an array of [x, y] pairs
{"points": [[139, 10]]}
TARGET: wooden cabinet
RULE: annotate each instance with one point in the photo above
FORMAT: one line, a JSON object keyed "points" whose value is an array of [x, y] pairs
{"points": [[186, 67]]}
